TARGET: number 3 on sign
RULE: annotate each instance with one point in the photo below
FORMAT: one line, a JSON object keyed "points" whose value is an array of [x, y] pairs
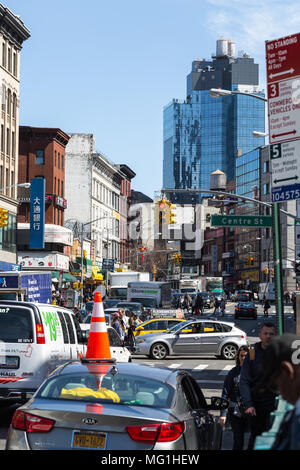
{"points": [[273, 90]]}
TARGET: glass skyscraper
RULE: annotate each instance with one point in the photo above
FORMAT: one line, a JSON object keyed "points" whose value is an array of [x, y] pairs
{"points": [[202, 133]]}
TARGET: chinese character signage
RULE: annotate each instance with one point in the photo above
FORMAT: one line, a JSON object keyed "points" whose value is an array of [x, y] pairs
{"points": [[37, 213]]}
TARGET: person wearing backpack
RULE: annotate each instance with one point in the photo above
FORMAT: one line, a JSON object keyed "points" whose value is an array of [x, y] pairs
{"points": [[239, 422], [258, 404]]}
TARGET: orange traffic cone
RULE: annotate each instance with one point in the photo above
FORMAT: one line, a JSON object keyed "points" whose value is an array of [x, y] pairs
{"points": [[98, 343]]}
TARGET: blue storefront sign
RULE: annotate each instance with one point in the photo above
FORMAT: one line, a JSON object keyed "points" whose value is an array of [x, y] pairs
{"points": [[37, 213]]}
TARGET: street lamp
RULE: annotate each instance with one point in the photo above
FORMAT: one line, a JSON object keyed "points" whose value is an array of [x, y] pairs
{"points": [[81, 242], [219, 92]]}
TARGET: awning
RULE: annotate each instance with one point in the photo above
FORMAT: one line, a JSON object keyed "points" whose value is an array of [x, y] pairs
{"points": [[67, 277], [55, 276], [96, 274]]}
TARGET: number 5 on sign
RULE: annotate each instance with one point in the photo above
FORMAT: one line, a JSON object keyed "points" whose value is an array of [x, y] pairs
{"points": [[275, 151]]}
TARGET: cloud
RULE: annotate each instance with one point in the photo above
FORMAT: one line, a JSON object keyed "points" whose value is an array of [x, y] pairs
{"points": [[251, 23]]}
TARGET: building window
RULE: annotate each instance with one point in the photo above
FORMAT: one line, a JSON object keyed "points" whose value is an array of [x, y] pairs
{"points": [[62, 189], [55, 158], [14, 106], [9, 59], [266, 188], [39, 157], [55, 185], [2, 138], [266, 166], [58, 160], [4, 54], [7, 141], [62, 161], [15, 65], [8, 106], [13, 144]]}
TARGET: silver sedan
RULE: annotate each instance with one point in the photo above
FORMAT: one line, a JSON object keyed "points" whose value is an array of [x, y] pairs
{"points": [[203, 337], [103, 406]]}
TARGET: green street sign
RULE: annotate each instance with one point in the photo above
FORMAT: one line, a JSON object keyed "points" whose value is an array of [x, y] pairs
{"points": [[241, 221], [297, 221]]}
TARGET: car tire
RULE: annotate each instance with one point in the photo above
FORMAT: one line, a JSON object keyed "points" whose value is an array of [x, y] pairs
{"points": [[229, 351], [159, 351]]}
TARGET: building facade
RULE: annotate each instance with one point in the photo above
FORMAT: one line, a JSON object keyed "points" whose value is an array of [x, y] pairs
{"points": [[203, 133], [42, 154], [93, 186], [13, 33]]}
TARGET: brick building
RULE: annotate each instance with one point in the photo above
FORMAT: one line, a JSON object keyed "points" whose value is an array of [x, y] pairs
{"points": [[42, 153]]}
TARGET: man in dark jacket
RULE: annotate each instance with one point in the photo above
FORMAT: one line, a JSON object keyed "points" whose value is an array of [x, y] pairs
{"points": [[258, 404]]}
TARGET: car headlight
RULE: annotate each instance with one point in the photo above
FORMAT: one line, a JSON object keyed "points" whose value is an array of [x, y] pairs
{"points": [[139, 341]]}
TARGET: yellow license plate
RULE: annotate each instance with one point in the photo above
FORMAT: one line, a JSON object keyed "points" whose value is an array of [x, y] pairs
{"points": [[89, 440]]}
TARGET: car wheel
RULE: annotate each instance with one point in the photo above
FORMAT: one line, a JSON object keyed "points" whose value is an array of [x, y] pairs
{"points": [[159, 351], [229, 351]]}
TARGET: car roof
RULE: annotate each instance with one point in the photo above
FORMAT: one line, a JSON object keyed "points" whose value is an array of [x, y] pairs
{"points": [[126, 368]]}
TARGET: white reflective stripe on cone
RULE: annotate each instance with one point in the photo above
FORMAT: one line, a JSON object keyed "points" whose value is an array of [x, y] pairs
{"points": [[98, 327]]}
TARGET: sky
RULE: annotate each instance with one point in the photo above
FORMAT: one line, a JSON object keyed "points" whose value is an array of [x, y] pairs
{"points": [[108, 68]]}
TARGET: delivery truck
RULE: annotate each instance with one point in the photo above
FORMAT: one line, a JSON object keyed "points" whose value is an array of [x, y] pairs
{"points": [[26, 286], [150, 294], [119, 282]]}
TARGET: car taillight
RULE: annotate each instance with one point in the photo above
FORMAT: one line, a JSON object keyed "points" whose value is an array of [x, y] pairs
{"points": [[151, 433], [31, 423], [40, 335]]}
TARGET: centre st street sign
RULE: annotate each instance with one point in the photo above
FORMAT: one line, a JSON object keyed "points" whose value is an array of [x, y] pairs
{"points": [[241, 221]]}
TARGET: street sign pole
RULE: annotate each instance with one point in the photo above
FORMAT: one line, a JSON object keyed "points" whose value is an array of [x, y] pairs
{"points": [[278, 268]]}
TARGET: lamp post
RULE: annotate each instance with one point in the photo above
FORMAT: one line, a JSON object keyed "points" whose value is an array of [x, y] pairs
{"points": [[81, 242], [216, 93]]}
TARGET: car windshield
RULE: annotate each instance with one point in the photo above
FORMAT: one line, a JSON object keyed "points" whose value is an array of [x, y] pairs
{"points": [[113, 387], [16, 325], [246, 305], [178, 326]]}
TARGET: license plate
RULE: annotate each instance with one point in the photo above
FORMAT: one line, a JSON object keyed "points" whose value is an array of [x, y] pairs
{"points": [[9, 362], [88, 440]]}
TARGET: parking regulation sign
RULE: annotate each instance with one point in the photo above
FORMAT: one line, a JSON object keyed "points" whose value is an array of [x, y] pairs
{"points": [[283, 81], [285, 170]]}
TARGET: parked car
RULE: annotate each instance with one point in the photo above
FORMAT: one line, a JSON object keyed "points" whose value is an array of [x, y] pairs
{"points": [[156, 325], [135, 408], [118, 349], [245, 309], [194, 338]]}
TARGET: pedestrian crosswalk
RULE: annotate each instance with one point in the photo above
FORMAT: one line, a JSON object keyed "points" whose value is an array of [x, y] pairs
{"points": [[197, 368]]}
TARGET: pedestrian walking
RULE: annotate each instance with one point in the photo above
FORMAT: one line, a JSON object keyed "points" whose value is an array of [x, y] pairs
{"points": [[77, 314], [115, 323], [217, 306], [235, 413], [199, 305], [187, 301], [267, 305], [258, 404], [294, 304], [222, 306], [281, 366]]}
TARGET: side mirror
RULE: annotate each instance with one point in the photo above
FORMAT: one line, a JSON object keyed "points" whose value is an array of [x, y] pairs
{"points": [[218, 403], [85, 336]]}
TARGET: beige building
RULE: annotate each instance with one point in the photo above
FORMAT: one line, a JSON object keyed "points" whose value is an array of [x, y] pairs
{"points": [[13, 33]]}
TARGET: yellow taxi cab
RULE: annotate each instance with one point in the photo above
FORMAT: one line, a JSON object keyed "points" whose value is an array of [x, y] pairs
{"points": [[156, 325]]}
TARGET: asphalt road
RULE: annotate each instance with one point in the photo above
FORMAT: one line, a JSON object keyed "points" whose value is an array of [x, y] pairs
{"points": [[208, 371]]}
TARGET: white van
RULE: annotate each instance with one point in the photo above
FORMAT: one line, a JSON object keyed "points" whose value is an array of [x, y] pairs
{"points": [[34, 340]]}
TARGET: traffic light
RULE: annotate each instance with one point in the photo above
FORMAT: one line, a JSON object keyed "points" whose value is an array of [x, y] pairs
{"points": [[266, 271], [172, 213], [3, 217], [162, 212], [251, 261]]}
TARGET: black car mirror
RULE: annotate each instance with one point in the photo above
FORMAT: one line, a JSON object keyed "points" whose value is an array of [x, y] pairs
{"points": [[218, 403], [85, 336]]}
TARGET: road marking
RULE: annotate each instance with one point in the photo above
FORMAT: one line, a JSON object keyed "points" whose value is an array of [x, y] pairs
{"points": [[200, 367], [174, 366], [226, 369]]}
